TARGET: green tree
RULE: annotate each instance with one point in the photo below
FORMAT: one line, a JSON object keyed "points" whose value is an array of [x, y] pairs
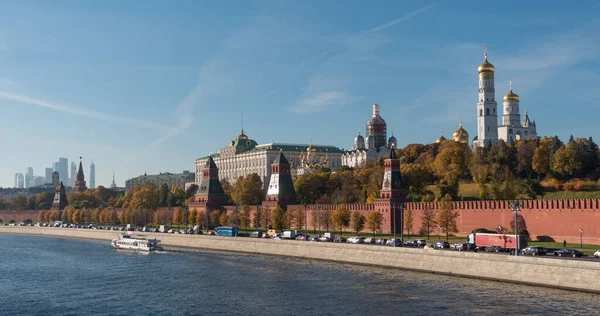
{"points": [[163, 195], [408, 220], [415, 177], [19, 203], [228, 189], [447, 216], [358, 221], [248, 190], [312, 187], [191, 191], [374, 220], [277, 218]]}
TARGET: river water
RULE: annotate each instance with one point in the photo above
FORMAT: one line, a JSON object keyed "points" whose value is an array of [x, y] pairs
{"points": [[57, 276]]}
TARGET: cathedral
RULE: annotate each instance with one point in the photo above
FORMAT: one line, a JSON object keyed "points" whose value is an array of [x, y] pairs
{"points": [[370, 149], [488, 130]]}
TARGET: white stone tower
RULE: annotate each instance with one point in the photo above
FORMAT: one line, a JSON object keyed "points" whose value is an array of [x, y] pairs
{"points": [[487, 116], [512, 116]]}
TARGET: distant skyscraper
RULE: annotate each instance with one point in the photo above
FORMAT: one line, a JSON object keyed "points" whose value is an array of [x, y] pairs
{"points": [[92, 176], [19, 180], [55, 179], [55, 166], [73, 174], [63, 169], [29, 177], [48, 178]]}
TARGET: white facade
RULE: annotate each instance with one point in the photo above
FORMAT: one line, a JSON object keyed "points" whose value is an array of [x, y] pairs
{"points": [[360, 158], [512, 128], [243, 157]]}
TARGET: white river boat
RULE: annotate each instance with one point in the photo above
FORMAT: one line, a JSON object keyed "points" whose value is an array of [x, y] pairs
{"points": [[131, 242]]}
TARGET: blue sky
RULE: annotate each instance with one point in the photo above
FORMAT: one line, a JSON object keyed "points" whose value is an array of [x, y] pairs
{"points": [[150, 86]]}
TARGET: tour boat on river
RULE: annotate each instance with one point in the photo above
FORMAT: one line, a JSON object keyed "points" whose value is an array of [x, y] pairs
{"points": [[130, 242]]}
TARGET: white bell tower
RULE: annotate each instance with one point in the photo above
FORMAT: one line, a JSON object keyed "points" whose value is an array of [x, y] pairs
{"points": [[487, 108]]}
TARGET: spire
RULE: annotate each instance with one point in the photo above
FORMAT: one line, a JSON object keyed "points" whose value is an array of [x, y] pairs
{"points": [[281, 160], [80, 176], [485, 47], [62, 186], [392, 153], [375, 109], [510, 85]]}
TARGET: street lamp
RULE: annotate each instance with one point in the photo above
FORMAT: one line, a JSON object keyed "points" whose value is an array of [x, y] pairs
{"points": [[401, 223], [581, 237], [319, 208], [515, 210], [394, 208], [305, 224]]}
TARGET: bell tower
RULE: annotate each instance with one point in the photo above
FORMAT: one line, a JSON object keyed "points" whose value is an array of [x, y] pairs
{"points": [[487, 116]]}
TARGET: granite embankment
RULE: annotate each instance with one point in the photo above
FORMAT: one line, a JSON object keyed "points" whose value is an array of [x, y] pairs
{"points": [[565, 274]]}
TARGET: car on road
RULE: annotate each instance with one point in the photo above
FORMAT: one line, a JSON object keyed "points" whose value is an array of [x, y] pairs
{"points": [[370, 240], [314, 238], [421, 242], [459, 246], [339, 239], [380, 241], [597, 254], [411, 243], [568, 253], [493, 249], [356, 240], [534, 251], [394, 242], [441, 245]]}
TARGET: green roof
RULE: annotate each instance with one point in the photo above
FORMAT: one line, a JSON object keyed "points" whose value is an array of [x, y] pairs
{"points": [[301, 148], [166, 176]]}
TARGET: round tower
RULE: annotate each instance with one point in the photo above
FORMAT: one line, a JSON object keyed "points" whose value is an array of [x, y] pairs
{"points": [[359, 142], [511, 115]]}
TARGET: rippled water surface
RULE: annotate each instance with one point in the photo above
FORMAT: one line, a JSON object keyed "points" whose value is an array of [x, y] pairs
{"points": [[56, 276]]}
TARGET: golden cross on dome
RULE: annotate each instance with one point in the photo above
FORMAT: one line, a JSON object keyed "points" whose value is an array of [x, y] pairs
{"points": [[485, 47], [510, 84]]}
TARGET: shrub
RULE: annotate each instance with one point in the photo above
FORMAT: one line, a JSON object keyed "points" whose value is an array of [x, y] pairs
{"points": [[555, 184], [568, 186], [578, 185]]}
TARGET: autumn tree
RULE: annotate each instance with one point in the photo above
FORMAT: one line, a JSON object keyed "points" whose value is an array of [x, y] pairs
{"points": [[451, 163], [228, 189], [408, 220], [192, 217], [341, 217], [245, 217], [358, 221], [224, 219], [428, 221], [214, 218], [145, 197], [311, 187], [374, 221], [447, 216], [415, 177], [277, 218], [257, 219], [201, 218]]}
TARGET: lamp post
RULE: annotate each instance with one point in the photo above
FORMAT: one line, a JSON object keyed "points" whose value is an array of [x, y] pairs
{"points": [[581, 238], [394, 223], [401, 223], [235, 214], [305, 224], [515, 210]]}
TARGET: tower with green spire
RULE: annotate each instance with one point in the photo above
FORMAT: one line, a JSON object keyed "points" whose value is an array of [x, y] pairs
{"points": [[210, 194]]}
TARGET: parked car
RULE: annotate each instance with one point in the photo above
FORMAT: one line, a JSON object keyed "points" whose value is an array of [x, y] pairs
{"points": [[421, 242], [459, 246], [597, 254], [381, 241], [356, 240], [568, 253], [325, 239], [470, 247], [301, 237], [313, 238], [411, 243], [339, 239], [370, 240], [534, 251], [441, 245], [394, 242]]}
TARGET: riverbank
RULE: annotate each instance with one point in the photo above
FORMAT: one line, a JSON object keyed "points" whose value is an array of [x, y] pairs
{"points": [[554, 273]]}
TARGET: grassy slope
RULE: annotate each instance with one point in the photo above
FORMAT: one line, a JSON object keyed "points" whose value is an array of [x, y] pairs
{"points": [[468, 190]]}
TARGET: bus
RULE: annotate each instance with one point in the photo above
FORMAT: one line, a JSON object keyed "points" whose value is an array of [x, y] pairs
{"points": [[230, 231]]}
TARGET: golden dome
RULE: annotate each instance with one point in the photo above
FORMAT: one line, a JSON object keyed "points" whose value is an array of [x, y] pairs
{"points": [[440, 139], [486, 66], [511, 96], [311, 149], [461, 135]]}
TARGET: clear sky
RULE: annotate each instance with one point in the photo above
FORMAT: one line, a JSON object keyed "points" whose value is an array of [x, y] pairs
{"points": [[150, 86]]}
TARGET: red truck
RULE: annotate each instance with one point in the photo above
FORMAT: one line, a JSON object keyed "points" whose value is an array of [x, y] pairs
{"points": [[499, 242]]}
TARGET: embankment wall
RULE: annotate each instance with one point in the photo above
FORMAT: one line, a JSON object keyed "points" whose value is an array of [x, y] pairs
{"points": [[557, 273]]}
